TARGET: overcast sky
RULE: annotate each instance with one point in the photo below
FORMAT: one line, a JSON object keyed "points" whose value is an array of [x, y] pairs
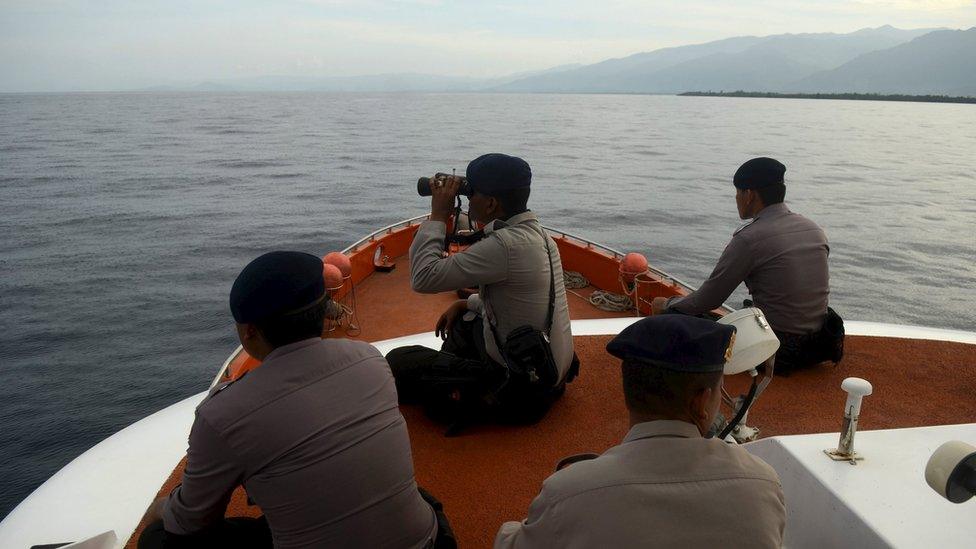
{"points": [[52, 45]]}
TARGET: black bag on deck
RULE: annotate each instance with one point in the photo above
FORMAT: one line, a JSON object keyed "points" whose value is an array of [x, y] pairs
{"points": [[829, 343], [529, 356], [527, 351]]}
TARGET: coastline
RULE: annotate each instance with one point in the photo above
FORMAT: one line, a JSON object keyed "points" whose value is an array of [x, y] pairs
{"points": [[847, 96]]}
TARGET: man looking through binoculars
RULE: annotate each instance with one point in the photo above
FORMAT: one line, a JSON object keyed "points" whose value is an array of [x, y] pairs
{"points": [[508, 349]]}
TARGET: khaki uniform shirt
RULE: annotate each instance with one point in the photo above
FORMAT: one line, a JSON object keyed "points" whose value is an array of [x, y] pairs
{"points": [[782, 257], [317, 440], [511, 270], [665, 486]]}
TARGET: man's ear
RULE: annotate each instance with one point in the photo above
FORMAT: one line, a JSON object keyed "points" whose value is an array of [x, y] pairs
{"points": [[495, 207], [253, 341], [699, 406], [249, 335], [755, 201]]}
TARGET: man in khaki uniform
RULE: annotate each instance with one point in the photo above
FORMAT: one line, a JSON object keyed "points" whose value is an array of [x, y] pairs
{"points": [[314, 434], [782, 258], [518, 272], [665, 485]]}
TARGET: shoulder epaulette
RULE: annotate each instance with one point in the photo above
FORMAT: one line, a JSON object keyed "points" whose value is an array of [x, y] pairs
{"points": [[223, 386], [576, 458], [743, 226]]}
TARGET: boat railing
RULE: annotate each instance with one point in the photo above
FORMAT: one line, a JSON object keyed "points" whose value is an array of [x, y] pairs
{"points": [[617, 254], [385, 231], [226, 364]]}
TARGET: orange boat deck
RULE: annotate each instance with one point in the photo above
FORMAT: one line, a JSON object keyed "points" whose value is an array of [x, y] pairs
{"points": [[490, 474], [387, 307]]}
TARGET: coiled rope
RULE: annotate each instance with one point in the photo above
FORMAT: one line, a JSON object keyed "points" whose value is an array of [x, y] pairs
{"points": [[574, 280], [608, 301], [338, 313], [601, 299]]}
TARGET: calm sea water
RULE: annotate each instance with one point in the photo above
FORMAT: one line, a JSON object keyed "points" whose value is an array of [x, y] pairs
{"points": [[125, 217]]}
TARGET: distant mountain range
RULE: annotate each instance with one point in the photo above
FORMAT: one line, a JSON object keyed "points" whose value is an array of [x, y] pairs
{"points": [[747, 63], [400, 82], [941, 63], [881, 60]]}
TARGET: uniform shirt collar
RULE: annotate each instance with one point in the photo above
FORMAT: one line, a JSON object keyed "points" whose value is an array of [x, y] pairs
{"points": [[290, 348], [774, 210], [662, 428], [514, 220]]}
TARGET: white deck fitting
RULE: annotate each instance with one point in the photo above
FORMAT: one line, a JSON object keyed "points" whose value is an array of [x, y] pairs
{"points": [[883, 501], [109, 486]]}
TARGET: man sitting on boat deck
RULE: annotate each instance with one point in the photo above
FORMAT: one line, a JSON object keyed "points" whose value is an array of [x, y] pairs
{"points": [[315, 434], [782, 258], [665, 485], [519, 276]]}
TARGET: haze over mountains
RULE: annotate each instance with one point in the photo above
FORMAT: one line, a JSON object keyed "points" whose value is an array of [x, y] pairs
{"points": [[878, 60], [399, 82]]}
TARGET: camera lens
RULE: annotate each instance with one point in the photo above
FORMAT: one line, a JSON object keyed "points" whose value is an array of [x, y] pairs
{"points": [[423, 186]]}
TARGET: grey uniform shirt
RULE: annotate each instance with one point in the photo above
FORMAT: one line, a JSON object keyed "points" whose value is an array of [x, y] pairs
{"points": [[317, 439], [782, 257], [665, 486], [511, 270]]}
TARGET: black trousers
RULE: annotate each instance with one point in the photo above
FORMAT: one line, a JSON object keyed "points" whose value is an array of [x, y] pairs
{"points": [[254, 533], [461, 382], [802, 351], [793, 353], [237, 532]]}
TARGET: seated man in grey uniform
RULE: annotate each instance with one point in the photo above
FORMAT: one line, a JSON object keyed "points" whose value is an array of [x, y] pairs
{"points": [[782, 258], [665, 485], [314, 434], [519, 276]]}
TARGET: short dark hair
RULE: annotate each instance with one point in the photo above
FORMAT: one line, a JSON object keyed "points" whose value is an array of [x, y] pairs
{"points": [[772, 194], [282, 330], [654, 390], [513, 201]]}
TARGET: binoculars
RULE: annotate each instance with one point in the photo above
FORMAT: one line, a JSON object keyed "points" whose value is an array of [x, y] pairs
{"points": [[424, 184]]}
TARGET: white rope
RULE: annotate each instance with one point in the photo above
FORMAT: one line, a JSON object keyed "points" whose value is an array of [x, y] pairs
{"points": [[608, 301], [600, 299], [339, 313], [573, 280]]}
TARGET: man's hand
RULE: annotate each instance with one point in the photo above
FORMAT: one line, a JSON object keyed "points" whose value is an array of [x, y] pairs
{"points": [[659, 305], [443, 195], [450, 316], [155, 511]]}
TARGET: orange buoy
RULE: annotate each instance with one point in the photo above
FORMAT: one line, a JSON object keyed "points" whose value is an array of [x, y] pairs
{"points": [[341, 261], [333, 276], [632, 265]]}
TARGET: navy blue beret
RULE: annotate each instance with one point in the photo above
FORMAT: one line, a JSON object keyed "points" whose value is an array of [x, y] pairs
{"points": [[490, 173], [275, 284], [676, 342], [758, 173]]}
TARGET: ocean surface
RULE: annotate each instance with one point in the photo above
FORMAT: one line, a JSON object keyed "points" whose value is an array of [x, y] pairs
{"points": [[124, 218]]}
